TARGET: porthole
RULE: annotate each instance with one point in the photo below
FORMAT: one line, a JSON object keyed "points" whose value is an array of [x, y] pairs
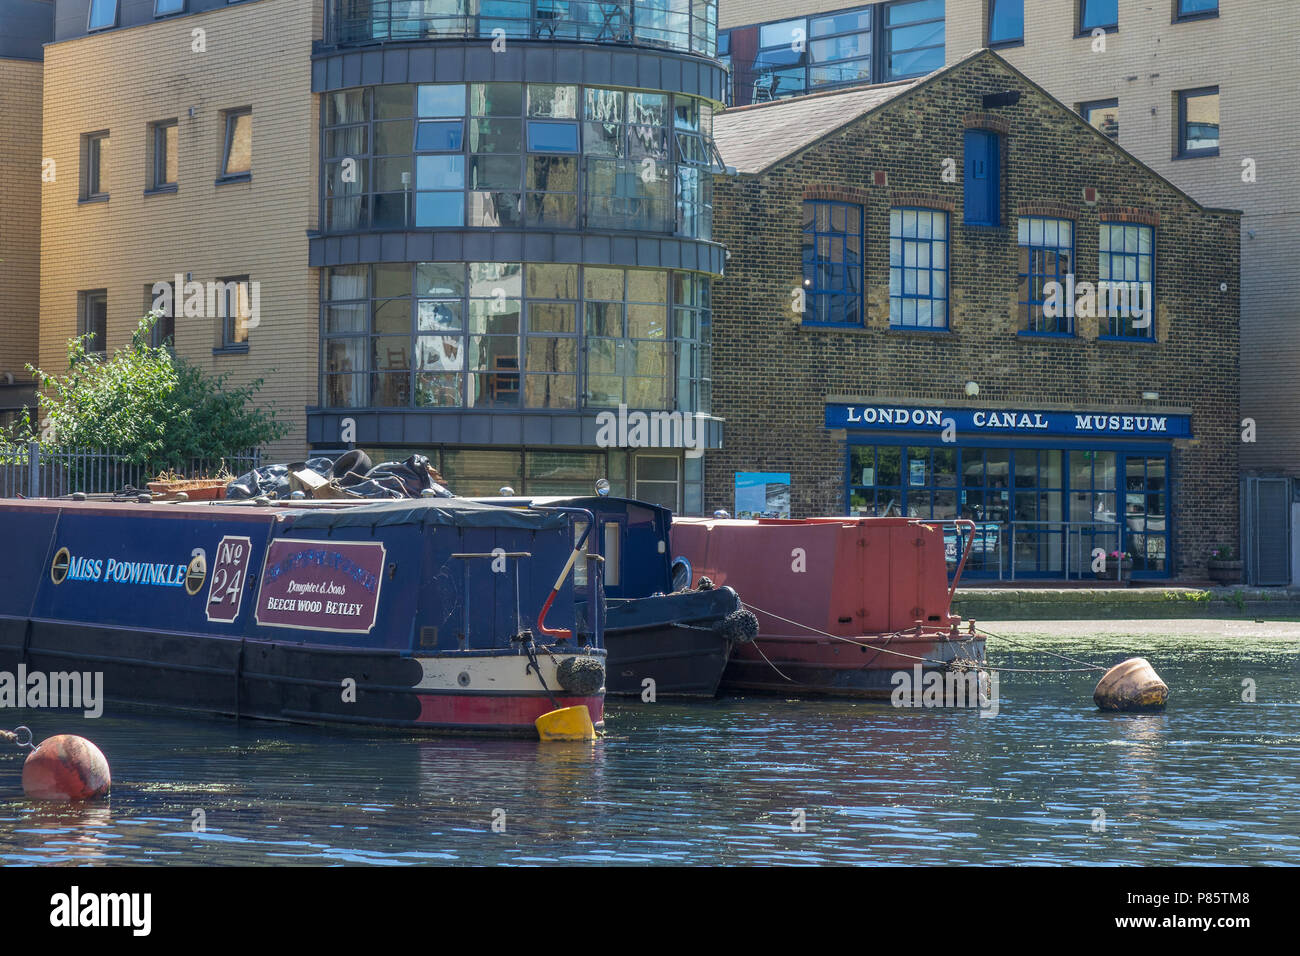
{"points": [[195, 575], [59, 566]]}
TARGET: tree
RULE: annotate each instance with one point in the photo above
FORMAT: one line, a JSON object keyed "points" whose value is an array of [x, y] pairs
{"points": [[151, 408]]}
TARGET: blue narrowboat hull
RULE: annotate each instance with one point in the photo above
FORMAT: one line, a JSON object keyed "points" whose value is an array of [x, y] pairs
{"points": [[411, 615]]}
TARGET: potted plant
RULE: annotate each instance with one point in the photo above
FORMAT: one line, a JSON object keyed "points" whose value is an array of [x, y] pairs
{"points": [[1224, 565], [1119, 565]]}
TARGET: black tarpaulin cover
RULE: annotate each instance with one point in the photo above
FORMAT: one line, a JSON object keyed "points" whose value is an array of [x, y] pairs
{"points": [[443, 512]]}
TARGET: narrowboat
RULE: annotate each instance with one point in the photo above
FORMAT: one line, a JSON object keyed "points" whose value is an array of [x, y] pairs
{"points": [[663, 638], [843, 604], [433, 614]]}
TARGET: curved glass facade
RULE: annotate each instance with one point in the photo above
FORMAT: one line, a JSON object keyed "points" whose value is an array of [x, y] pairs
{"points": [[686, 26], [491, 335], [512, 155]]}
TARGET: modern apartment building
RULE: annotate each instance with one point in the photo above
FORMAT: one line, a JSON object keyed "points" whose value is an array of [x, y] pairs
{"points": [[24, 26], [1204, 92], [478, 230]]}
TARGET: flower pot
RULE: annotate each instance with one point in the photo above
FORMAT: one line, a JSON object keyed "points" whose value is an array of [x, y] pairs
{"points": [[1112, 571], [196, 489], [1224, 572]]}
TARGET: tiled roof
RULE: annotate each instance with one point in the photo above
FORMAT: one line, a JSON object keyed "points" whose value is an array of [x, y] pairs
{"points": [[752, 138]]}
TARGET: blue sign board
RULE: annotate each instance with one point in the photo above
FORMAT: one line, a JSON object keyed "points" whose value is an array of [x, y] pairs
{"points": [[762, 494], [1022, 422]]}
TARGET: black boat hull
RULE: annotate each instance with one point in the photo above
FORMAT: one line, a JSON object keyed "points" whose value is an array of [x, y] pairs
{"points": [[669, 646], [293, 683]]}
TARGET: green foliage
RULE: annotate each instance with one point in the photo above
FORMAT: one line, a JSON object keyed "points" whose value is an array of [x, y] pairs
{"points": [[151, 408]]}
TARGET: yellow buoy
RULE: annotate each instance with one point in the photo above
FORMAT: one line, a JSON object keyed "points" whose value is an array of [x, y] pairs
{"points": [[567, 723], [1131, 685]]}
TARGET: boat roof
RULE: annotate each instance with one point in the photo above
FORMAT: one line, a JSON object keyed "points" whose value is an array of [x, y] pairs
{"points": [[447, 512]]}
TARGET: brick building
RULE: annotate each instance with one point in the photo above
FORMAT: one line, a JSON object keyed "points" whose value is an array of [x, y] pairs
{"points": [[888, 336]]}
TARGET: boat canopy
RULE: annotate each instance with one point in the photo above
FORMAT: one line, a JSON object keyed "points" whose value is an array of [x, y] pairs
{"points": [[433, 512]]}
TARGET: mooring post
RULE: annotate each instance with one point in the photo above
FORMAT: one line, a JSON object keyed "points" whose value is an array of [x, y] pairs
{"points": [[33, 469]]}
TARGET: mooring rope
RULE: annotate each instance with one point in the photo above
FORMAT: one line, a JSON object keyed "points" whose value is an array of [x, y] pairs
{"points": [[914, 657], [1072, 660]]}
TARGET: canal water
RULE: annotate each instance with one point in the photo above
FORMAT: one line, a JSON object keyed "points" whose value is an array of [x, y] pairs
{"points": [[1049, 779]]}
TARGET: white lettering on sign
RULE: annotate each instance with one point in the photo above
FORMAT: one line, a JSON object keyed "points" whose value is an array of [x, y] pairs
{"points": [[1116, 423]]}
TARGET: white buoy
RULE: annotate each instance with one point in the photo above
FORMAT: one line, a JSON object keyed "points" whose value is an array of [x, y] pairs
{"points": [[1131, 685]]}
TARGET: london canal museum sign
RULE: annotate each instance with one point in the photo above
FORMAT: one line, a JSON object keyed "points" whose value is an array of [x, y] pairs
{"points": [[1023, 422]]}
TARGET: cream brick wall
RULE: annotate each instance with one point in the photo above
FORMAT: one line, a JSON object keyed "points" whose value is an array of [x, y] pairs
{"points": [[257, 54], [20, 214], [1249, 52]]}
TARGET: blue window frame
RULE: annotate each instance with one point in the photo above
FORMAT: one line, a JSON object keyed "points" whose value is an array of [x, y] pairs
{"points": [[1041, 506], [1198, 122], [832, 262], [1046, 255], [103, 14], [983, 186], [1098, 13], [1006, 22], [549, 137], [1126, 254], [918, 268], [1103, 116], [1195, 9]]}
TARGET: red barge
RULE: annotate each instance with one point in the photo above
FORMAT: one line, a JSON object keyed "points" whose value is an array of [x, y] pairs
{"points": [[843, 604]]}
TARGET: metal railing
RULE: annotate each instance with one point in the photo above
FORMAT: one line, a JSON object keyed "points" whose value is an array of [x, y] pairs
{"points": [[688, 26], [1001, 538], [30, 471]]}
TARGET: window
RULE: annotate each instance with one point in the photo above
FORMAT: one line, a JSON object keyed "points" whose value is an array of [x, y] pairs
{"points": [[832, 263], [235, 302], [508, 155], [537, 335], [1126, 259], [94, 167], [164, 327], [103, 14], [1102, 115], [163, 165], [1094, 14], [983, 189], [914, 38], [1046, 255], [1006, 22], [1195, 9], [1198, 122], [918, 269], [163, 8], [237, 157], [839, 48], [92, 319]]}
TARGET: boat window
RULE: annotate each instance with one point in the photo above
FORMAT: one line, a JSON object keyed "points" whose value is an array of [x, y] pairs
{"points": [[613, 552], [580, 566]]}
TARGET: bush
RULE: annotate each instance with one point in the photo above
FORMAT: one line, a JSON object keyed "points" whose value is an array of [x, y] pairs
{"points": [[152, 409]]}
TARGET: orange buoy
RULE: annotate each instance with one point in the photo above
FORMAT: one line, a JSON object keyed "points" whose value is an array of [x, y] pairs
{"points": [[66, 768], [1131, 685]]}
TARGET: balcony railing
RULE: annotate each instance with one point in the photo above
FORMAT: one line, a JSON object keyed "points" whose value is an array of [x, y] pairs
{"points": [[687, 26]]}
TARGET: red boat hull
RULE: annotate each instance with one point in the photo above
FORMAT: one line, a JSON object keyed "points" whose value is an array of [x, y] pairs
{"points": [[843, 604]]}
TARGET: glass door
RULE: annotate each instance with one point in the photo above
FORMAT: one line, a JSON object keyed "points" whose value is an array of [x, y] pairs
{"points": [[1146, 513]]}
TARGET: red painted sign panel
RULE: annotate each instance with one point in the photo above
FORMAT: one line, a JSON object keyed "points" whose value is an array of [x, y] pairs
{"points": [[321, 585], [229, 572]]}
